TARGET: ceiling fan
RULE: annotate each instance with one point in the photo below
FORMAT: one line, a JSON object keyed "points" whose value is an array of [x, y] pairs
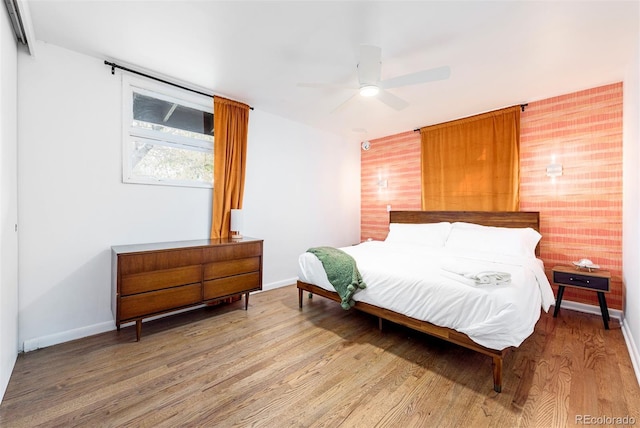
{"points": [[370, 83]]}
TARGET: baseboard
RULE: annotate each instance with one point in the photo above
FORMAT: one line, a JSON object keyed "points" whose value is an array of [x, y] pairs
{"points": [[278, 284], [590, 309], [66, 336], [79, 333], [633, 350]]}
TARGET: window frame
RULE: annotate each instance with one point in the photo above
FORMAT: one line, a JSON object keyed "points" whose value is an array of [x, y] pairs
{"points": [[131, 134]]}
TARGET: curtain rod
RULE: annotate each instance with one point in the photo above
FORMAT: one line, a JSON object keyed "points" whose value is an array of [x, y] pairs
{"points": [[522, 107], [113, 71]]}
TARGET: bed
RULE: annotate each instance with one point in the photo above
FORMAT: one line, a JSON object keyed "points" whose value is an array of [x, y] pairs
{"points": [[430, 275]]}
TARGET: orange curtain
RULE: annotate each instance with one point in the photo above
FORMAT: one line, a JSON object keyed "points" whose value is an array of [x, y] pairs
{"points": [[230, 130], [472, 163]]}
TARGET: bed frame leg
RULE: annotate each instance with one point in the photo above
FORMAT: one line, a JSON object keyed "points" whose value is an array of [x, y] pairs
{"points": [[380, 323], [497, 374], [300, 298]]}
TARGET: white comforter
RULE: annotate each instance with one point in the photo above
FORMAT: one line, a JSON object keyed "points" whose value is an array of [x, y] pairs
{"points": [[409, 279]]}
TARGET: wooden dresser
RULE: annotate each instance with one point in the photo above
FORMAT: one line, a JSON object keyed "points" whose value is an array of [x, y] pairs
{"points": [[151, 279]]}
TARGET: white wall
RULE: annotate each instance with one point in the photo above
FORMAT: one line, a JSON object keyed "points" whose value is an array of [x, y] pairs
{"points": [[302, 187], [631, 208], [8, 202]]}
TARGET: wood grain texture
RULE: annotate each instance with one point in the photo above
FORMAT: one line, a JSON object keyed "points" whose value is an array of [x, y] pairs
{"points": [[231, 267], [152, 279], [443, 333], [156, 302], [165, 259], [509, 219], [421, 326], [487, 218], [276, 366], [159, 279], [228, 286], [232, 251]]}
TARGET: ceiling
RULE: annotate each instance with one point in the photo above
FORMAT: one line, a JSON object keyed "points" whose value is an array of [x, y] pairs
{"points": [[500, 53]]}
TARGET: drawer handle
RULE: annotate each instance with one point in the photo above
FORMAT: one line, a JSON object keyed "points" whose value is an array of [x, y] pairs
{"points": [[586, 281]]}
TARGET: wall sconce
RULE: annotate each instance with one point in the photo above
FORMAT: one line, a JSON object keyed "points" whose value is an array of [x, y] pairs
{"points": [[382, 184], [236, 223], [554, 170]]}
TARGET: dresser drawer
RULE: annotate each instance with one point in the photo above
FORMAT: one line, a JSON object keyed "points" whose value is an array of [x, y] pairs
{"points": [[159, 260], [230, 285], [232, 251], [144, 304], [580, 280], [232, 267], [151, 279], [157, 280]]}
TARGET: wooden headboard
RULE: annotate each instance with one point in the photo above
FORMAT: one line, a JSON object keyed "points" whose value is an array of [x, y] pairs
{"points": [[486, 218]]}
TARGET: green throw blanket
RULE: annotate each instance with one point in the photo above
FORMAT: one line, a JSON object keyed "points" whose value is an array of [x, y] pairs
{"points": [[342, 272]]}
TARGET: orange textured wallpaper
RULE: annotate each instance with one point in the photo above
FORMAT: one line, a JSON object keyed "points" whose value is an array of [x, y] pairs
{"points": [[395, 159], [581, 211]]}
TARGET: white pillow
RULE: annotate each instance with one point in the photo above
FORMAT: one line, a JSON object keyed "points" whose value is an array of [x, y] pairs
{"points": [[520, 242], [427, 234]]}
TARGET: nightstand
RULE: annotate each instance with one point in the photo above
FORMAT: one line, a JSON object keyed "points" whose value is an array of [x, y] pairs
{"points": [[598, 281]]}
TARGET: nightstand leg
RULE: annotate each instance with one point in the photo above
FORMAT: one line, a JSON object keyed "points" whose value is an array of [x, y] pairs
{"points": [[559, 300], [603, 308]]}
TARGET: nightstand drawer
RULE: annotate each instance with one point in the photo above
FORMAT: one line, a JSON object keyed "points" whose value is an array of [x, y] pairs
{"points": [[580, 280]]}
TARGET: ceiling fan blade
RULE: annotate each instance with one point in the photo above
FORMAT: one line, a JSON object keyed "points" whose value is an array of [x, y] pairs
{"points": [[440, 73], [343, 104], [391, 100], [369, 65]]}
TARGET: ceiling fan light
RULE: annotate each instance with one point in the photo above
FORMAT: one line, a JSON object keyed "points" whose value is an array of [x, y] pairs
{"points": [[369, 90]]}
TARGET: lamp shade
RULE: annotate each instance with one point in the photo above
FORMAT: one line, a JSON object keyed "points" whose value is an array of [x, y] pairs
{"points": [[236, 220]]}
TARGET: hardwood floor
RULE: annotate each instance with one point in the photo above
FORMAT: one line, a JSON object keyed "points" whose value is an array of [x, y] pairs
{"points": [[277, 366]]}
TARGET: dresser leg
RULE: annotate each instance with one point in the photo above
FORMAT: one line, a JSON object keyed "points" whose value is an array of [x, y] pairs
{"points": [[138, 329], [603, 308], [246, 301], [558, 300]]}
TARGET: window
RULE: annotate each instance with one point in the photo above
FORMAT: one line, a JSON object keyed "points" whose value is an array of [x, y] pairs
{"points": [[168, 135]]}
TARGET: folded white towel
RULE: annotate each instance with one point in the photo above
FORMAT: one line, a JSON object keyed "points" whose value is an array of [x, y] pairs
{"points": [[492, 277], [457, 277], [475, 277]]}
